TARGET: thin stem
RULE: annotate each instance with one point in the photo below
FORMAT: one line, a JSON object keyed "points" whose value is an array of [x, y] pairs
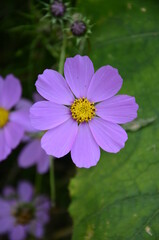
{"points": [[82, 45], [38, 180], [62, 55], [52, 180]]}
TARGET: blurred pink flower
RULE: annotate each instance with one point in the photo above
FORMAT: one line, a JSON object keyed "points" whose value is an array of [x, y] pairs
{"points": [[13, 122], [32, 153], [22, 213]]}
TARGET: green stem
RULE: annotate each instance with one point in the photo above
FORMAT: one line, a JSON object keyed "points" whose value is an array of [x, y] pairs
{"points": [[82, 46], [52, 180], [62, 55], [38, 180]]}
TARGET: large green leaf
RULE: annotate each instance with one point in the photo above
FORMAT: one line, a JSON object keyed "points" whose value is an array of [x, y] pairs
{"points": [[119, 198]]}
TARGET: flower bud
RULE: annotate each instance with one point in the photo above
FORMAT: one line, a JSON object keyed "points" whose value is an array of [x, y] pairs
{"points": [[58, 9], [78, 28]]}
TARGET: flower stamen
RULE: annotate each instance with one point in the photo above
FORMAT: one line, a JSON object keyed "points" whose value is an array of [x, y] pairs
{"points": [[23, 214], [4, 115], [82, 110]]}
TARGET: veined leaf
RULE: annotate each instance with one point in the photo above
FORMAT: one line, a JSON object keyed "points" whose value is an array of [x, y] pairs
{"points": [[119, 198]]}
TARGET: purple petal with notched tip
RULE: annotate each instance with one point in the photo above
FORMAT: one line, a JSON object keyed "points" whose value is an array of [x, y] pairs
{"points": [[118, 109], [85, 151], [78, 73], [105, 83], [13, 134], [58, 141], [46, 115], [11, 92], [52, 86], [109, 136]]}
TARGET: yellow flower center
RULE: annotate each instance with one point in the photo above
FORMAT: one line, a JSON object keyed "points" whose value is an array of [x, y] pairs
{"points": [[4, 114], [23, 214], [82, 110]]}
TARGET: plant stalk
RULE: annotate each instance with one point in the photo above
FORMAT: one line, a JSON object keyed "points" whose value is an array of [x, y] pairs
{"points": [[62, 55], [52, 181]]}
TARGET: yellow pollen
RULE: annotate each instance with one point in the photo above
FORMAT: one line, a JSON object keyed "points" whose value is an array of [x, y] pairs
{"points": [[4, 114], [83, 110]]}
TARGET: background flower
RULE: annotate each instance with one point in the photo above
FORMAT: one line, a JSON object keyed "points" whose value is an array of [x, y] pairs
{"points": [[13, 123], [58, 8], [32, 153], [22, 213]]}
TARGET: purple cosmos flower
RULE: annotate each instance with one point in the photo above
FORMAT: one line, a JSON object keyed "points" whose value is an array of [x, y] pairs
{"points": [[12, 122], [22, 213], [82, 114], [32, 153]]}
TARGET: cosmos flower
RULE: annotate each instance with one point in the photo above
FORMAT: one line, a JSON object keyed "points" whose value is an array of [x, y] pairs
{"points": [[32, 153], [22, 213], [13, 115], [82, 112]]}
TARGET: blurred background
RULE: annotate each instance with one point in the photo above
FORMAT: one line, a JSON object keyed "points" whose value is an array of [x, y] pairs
{"points": [[119, 198]]}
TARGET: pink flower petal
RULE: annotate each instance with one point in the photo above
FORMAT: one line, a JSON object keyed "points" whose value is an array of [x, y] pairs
{"points": [[11, 92], [1, 87], [85, 151], [4, 148], [21, 117], [109, 136], [118, 109], [30, 154], [23, 104], [18, 233], [43, 163], [8, 191], [46, 115], [13, 134], [6, 224], [52, 86], [105, 83], [42, 216], [58, 141], [78, 73], [37, 229], [25, 191], [5, 208]]}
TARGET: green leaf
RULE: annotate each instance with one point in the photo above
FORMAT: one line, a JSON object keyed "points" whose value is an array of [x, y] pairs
{"points": [[119, 198]]}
